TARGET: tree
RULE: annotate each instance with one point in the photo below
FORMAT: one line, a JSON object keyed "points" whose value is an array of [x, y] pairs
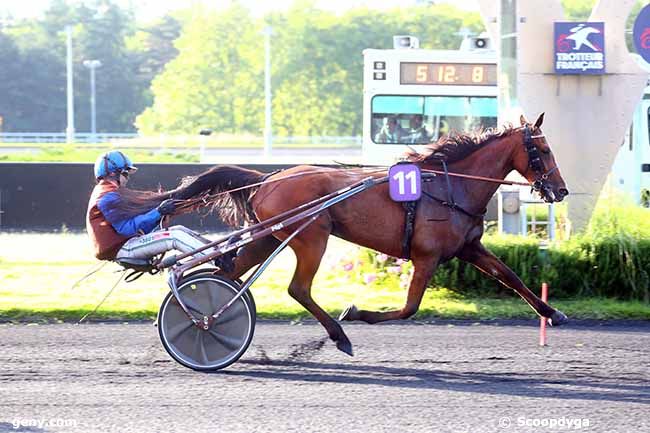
{"points": [[319, 75], [214, 81], [317, 67], [9, 73], [37, 75], [578, 10]]}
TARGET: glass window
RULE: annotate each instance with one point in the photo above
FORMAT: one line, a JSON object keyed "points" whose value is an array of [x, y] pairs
{"points": [[648, 125], [423, 119]]}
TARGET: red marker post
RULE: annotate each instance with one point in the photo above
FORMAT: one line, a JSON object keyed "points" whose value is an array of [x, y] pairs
{"points": [[542, 320]]}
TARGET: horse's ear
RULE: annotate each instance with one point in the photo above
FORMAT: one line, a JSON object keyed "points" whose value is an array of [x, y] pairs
{"points": [[522, 119], [539, 121]]}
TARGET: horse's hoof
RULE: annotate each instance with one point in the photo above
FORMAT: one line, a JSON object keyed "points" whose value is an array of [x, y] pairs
{"points": [[349, 314], [558, 318], [344, 346]]}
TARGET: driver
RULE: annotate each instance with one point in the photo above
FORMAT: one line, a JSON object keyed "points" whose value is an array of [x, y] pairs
{"points": [[121, 221]]}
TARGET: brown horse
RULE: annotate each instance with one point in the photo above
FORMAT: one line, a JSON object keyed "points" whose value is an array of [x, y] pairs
{"points": [[442, 230]]}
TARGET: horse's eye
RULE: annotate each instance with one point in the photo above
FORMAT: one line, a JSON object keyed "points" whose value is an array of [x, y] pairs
{"points": [[546, 151]]}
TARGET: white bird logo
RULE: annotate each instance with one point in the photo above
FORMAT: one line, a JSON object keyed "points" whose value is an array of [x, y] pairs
{"points": [[580, 36]]}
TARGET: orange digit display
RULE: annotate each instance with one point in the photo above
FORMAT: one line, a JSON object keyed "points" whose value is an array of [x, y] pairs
{"points": [[453, 74], [421, 73]]}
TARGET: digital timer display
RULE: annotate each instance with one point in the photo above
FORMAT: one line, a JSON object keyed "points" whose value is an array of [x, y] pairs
{"points": [[453, 74]]}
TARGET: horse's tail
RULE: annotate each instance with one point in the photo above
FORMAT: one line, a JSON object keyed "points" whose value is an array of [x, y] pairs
{"points": [[233, 208]]}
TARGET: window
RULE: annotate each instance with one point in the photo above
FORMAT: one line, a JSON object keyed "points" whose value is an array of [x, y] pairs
{"points": [[423, 119]]}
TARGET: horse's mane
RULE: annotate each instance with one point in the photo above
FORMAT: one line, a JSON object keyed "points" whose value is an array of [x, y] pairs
{"points": [[456, 146]]}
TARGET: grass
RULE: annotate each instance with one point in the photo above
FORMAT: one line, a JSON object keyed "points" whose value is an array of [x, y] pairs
{"points": [[69, 153], [37, 271], [150, 151]]}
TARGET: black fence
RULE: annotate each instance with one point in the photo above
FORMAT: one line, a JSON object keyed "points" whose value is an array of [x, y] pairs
{"points": [[54, 196]]}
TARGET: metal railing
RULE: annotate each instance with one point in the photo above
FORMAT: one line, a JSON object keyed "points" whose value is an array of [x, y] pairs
{"points": [[167, 140], [531, 226], [60, 137]]}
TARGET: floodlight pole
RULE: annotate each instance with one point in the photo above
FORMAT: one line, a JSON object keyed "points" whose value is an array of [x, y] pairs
{"points": [[69, 132], [92, 65], [268, 137]]}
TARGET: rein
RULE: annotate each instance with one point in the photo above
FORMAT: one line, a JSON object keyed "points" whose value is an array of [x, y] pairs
{"points": [[534, 162], [205, 199], [481, 178]]}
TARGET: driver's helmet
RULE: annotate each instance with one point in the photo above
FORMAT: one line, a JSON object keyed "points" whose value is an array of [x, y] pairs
{"points": [[112, 162]]}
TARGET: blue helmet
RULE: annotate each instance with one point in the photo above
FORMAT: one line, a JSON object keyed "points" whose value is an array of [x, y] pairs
{"points": [[112, 162]]}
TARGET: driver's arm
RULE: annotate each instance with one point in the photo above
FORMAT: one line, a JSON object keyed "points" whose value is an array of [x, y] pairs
{"points": [[145, 222]]}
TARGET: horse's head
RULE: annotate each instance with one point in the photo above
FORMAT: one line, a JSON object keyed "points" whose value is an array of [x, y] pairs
{"points": [[535, 161]]}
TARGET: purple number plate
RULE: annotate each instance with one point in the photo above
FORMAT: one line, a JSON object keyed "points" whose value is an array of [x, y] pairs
{"points": [[405, 182]]}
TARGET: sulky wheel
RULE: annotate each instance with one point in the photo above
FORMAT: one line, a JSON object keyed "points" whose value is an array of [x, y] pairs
{"points": [[228, 336]]}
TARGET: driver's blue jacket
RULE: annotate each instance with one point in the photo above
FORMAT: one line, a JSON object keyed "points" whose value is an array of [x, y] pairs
{"points": [[143, 223]]}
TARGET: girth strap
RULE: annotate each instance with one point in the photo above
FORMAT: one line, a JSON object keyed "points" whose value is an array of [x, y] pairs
{"points": [[410, 207], [450, 194]]}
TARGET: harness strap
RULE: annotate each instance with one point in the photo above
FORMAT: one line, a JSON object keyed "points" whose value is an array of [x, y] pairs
{"points": [[410, 207], [450, 194], [454, 207]]}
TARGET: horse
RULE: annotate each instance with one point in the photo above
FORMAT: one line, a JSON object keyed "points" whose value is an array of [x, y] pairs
{"points": [[448, 220]]}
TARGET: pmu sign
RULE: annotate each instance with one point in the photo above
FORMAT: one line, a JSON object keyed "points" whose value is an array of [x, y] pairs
{"points": [[579, 48], [641, 33]]}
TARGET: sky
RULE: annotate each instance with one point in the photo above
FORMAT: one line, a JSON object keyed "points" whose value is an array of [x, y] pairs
{"points": [[151, 9]]}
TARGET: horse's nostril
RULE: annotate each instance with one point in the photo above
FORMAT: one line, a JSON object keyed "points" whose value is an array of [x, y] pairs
{"points": [[563, 192]]}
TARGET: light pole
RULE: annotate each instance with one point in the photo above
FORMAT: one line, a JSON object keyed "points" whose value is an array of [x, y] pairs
{"points": [[69, 132], [267, 32], [92, 65]]}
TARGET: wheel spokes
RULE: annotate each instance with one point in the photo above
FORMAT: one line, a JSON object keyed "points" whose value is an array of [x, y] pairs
{"points": [[212, 301], [230, 342], [230, 314], [193, 306], [200, 347], [175, 331]]}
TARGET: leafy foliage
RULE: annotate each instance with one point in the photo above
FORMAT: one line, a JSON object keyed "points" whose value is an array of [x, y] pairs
{"points": [[33, 85], [317, 67], [202, 67]]}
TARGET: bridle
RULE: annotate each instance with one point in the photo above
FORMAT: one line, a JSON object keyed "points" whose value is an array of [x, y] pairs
{"points": [[541, 183]]}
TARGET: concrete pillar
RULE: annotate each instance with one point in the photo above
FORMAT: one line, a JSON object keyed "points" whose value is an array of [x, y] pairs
{"points": [[586, 116]]}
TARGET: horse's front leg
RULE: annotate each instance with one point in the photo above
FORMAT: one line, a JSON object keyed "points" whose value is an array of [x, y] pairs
{"points": [[476, 254], [423, 271]]}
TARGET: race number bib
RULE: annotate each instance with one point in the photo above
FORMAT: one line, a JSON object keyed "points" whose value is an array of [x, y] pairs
{"points": [[405, 182]]}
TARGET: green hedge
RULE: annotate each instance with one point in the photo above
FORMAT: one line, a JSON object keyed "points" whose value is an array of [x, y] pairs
{"points": [[615, 266]]}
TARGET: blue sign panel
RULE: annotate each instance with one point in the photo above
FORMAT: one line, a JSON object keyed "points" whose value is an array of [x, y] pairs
{"points": [[405, 183], [641, 33], [580, 48]]}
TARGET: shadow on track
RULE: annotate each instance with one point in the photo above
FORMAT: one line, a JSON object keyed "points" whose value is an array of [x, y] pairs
{"points": [[571, 385]]}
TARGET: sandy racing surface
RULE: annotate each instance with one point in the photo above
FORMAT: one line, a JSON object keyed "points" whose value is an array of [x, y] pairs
{"points": [[443, 377]]}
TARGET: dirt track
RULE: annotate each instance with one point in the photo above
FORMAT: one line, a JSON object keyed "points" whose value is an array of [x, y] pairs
{"points": [[415, 377]]}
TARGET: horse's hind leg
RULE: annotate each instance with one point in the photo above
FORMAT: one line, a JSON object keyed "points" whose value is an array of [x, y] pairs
{"points": [[423, 271], [309, 248], [251, 255]]}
